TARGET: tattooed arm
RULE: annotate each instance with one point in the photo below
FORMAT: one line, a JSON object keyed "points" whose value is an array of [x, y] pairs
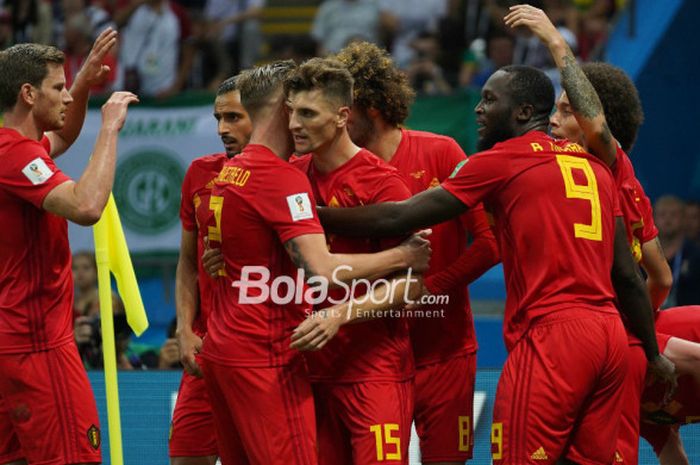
{"points": [[310, 253], [588, 109]]}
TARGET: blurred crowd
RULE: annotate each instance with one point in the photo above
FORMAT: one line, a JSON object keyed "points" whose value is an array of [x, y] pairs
{"points": [[167, 46]]}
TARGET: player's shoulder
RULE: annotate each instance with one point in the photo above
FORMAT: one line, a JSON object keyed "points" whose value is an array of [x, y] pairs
{"points": [[370, 161], [11, 140], [208, 162], [431, 139], [300, 162]]}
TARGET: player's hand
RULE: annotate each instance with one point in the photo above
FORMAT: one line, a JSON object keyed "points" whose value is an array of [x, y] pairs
{"points": [[319, 328], [418, 250], [534, 19], [665, 371], [93, 71], [115, 109], [212, 259], [190, 345]]}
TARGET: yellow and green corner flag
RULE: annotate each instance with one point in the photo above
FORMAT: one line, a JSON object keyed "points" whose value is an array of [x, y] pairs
{"points": [[112, 255]]}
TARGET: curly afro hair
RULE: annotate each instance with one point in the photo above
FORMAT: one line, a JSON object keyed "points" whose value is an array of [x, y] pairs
{"points": [[620, 99], [378, 83]]}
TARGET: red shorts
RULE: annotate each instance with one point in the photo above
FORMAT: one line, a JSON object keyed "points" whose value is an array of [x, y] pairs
{"points": [[48, 414], [192, 431], [262, 416], [627, 450], [560, 392], [444, 407], [363, 423]]}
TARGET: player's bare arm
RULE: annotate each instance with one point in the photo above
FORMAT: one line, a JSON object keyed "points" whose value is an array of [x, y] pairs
{"points": [[82, 202], [92, 73], [659, 275], [320, 327], [673, 452], [635, 304], [186, 302], [393, 218], [310, 253], [588, 109]]}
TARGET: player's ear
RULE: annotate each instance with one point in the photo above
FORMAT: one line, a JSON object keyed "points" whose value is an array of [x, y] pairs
{"points": [[342, 116], [524, 113], [27, 93]]}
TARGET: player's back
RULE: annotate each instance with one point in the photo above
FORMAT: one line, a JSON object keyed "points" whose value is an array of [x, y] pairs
{"points": [[553, 206], [258, 203]]}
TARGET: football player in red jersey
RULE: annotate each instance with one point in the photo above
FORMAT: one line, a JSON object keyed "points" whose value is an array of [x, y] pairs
{"points": [[362, 379], [444, 348], [623, 115], [192, 435], [263, 217], [47, 409], [554, 208]]}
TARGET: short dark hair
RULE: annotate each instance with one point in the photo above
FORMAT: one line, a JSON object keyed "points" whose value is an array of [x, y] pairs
{"points": [[379, 84], [620, 99], [229, 85], [531, 86], [258, 84], [328, 75], [22, 64]]}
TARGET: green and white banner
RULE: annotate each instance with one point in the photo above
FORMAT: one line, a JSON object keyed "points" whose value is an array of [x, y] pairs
{"points": [[156, 146]]}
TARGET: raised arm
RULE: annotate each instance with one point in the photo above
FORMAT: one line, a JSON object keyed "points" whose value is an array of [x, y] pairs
{"points": [[91, 73], [187, 302], [393, 218], [588, 109], [82, 202]]}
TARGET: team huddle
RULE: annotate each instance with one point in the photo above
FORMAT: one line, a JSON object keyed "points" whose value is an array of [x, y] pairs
{"points": [[320, 187]]}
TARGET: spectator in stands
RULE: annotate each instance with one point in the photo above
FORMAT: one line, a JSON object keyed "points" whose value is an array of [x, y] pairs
{"points": [[403, 21], [683, 256], [692, 221], [169, 354], [155, 57], [339, 22], [31, 21], [5, 29], [423, 72], [78, 35], [234, 26], [477, 69]]}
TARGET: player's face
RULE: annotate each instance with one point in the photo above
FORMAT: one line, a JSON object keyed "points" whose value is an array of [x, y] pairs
{"points": [[315, 121], [52, 100], [84, 272], [563, 123], [494, 112], [360, 126], [234, 125]]}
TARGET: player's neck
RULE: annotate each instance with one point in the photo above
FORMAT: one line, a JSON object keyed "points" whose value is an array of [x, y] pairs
{"points": [[335, 154], [385, 141], [273, 134], [23, 123]]}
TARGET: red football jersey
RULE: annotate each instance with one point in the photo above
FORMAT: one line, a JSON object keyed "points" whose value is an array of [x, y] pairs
{"points": [[194, 212], [554, 207], [377, 350], [684, 407], [36, 280], [258, 203], [425, 160], [635, 205]]}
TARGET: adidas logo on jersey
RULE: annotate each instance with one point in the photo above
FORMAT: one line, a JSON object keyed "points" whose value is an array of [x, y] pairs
{"points": [[539, 454]]}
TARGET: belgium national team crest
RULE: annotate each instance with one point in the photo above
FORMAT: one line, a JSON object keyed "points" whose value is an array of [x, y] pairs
{"points": [[94, 437]]}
